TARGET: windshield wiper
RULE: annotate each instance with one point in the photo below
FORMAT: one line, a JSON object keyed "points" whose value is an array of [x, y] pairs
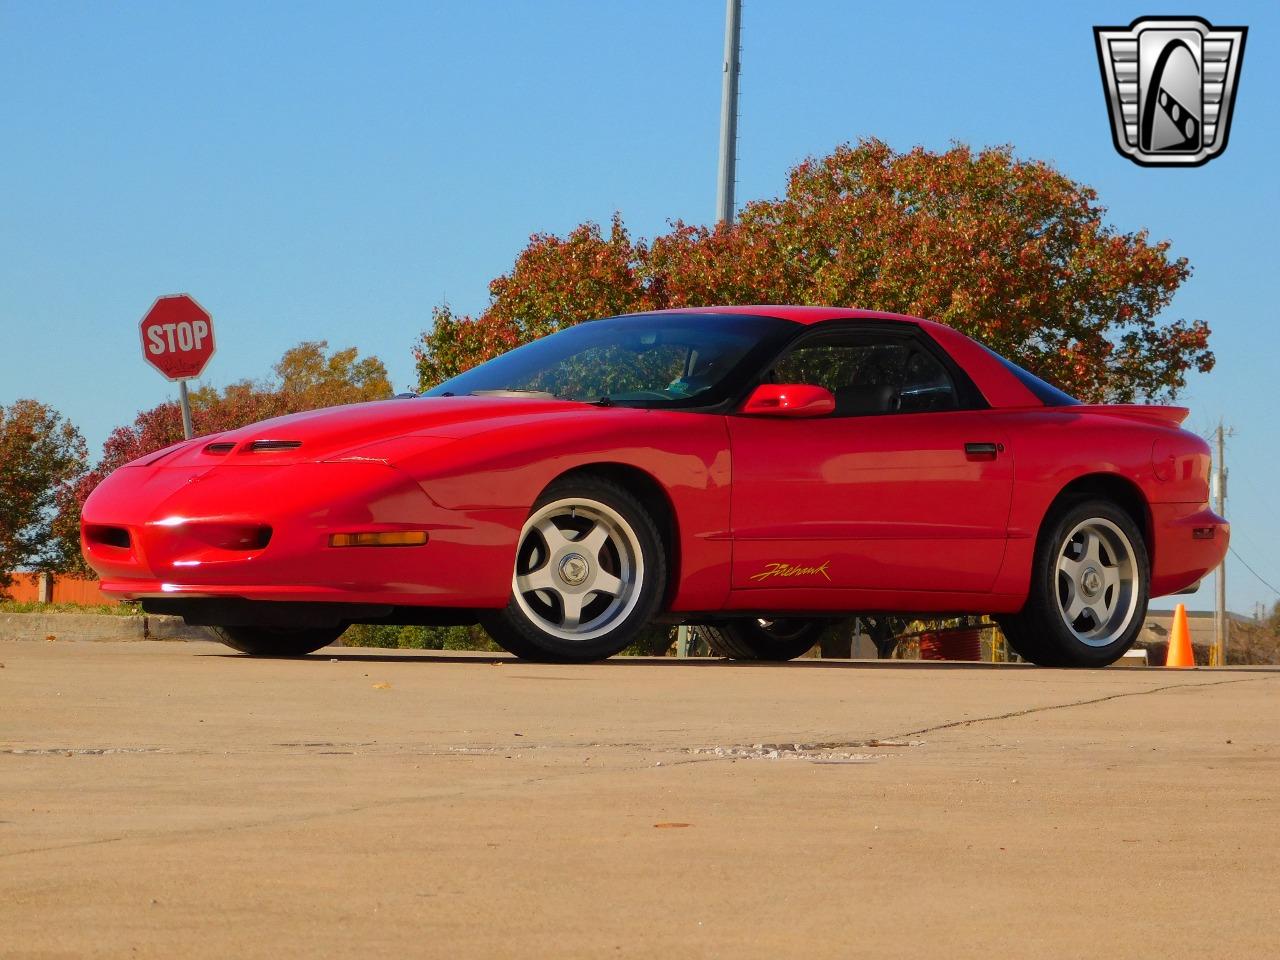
{"points": [[602, 402], [534, 394]]}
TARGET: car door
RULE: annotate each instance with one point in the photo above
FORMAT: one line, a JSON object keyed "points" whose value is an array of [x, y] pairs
{"points": [[906, 486]]}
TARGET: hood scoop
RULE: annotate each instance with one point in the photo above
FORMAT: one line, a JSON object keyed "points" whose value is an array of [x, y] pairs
{"points": [[268, 446]]}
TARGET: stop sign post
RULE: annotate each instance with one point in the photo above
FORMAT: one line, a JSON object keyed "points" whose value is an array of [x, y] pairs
{"points": [[177, 339]]}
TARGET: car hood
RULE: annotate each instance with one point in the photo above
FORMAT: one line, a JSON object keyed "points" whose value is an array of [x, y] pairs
{"points": [[330, 432]]}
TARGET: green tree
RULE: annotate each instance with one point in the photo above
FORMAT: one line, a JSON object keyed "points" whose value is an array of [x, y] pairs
{"points": [[40, 453], [1009, 251], [307, 377]]}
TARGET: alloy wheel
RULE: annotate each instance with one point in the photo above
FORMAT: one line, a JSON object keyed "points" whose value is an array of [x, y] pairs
{"points": [[1096, 582], [579, 569]]}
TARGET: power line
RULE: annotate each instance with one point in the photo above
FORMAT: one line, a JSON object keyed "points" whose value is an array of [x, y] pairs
{"points": [[1254, 572]]}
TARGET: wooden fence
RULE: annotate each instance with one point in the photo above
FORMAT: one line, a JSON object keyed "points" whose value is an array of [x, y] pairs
{"points": [[28, 588]]}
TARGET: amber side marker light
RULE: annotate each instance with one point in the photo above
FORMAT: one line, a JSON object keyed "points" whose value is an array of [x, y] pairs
{"points": [[390, 538]]}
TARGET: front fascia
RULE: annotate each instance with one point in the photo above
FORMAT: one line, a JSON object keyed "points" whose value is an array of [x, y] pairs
{"points": [[171, 515]]}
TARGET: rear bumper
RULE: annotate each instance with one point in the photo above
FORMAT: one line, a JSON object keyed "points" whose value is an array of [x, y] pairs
{"points": [[1190, 541]]}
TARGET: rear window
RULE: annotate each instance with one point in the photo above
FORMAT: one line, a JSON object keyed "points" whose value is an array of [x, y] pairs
{"points": [[1046, 393]]}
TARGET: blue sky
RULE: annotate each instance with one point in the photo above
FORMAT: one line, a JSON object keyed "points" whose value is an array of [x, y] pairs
{"points": [[320, 170]]}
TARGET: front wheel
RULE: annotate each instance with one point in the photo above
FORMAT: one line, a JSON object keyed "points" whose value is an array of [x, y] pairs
{"points": [[590, 573], [277, 641], [1089, 589], [775, 640]]}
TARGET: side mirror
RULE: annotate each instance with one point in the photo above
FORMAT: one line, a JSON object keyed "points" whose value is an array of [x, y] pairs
{"points": [[789, 400]]}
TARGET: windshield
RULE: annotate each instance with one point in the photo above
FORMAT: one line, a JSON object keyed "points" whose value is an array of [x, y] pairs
{"points": [[646, 360]]}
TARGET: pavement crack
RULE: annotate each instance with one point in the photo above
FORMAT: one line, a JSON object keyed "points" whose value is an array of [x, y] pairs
{"points": [[301, 817], [1047, 708], [831, 751], [97, 841], [75, 751]]}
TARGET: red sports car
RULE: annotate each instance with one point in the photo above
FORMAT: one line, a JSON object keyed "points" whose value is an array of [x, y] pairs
{"points": [[761, 470]]}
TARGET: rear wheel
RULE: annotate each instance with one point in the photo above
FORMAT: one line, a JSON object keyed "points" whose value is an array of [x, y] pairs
{"points": [[1089, 590], [278, 641], [590, 573], [777, 640]]}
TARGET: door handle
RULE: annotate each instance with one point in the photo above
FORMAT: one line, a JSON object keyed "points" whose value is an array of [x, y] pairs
{"points": [[982, 451]]}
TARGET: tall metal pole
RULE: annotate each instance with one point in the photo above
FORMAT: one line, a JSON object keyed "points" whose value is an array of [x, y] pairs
{"points": [[185, 402], [1220, 604], [729, 112]]}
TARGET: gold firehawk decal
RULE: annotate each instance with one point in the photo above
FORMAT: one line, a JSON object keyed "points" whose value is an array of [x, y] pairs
{"points": [[790, 570]]}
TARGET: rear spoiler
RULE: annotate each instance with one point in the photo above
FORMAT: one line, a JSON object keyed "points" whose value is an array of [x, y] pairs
{"points": [[1136, 411]]}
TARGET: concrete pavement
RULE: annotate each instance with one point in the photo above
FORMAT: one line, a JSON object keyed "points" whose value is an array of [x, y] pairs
{"points": [[177, 800]]}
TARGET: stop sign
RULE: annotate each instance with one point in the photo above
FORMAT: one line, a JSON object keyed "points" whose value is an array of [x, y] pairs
{"points": [[177, 337]]}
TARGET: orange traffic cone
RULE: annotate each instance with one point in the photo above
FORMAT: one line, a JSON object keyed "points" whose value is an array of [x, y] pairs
{"points": [[1180, 653]]}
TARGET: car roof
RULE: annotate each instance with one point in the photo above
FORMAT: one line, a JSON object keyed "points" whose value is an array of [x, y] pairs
{"points": [[800, 314], [1000, 387]]}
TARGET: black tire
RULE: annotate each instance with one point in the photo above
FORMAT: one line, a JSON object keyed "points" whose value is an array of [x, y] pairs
{"points": [[775, 640], [1040, 633], [633, 549], [278, 641]]}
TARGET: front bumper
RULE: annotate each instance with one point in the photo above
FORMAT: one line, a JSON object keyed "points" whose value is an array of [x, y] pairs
{"points": [[262, 533]]}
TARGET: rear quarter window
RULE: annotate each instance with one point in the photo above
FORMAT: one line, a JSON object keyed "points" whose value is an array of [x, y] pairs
{"points": [[1045, 392]]}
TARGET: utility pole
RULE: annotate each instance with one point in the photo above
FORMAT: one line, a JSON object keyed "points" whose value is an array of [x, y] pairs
{"points": [[728, 165], [729, 112], [1220, 578]]}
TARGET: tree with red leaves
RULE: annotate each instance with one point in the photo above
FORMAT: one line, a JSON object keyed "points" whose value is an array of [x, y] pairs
{"points": [[1009, 251]]}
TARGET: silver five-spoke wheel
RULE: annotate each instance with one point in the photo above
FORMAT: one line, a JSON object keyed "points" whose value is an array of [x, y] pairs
{"points": [[1096, 582], [579, 569], [1089, 584]]}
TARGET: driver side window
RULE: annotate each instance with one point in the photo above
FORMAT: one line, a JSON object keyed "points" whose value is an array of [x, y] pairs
{"points": [[870, 375]]}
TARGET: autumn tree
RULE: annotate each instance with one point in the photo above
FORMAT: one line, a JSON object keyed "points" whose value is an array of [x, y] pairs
{"points": [[1009, 251], [1255, 641], [555, 283], [39, 452], [306, 378]]}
